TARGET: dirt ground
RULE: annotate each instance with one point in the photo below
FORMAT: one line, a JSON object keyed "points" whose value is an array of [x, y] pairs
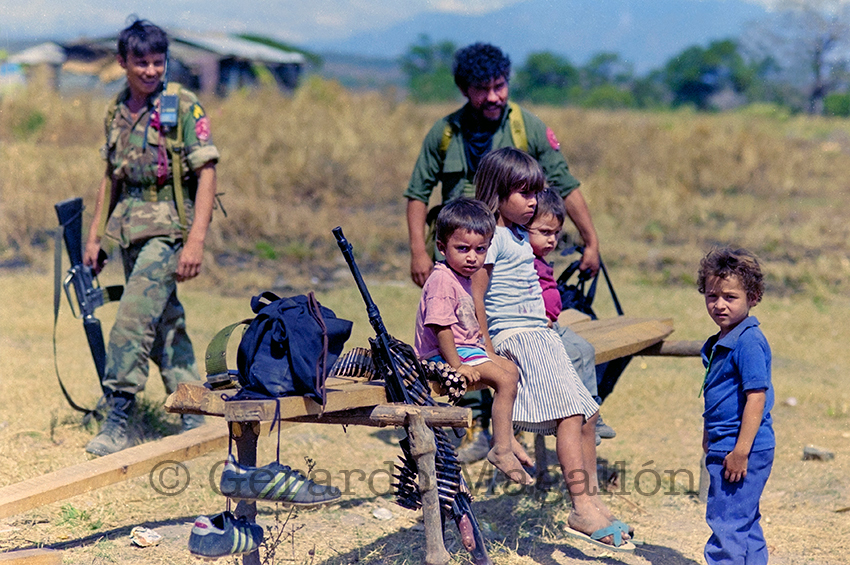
{"points": [[654, 408]]}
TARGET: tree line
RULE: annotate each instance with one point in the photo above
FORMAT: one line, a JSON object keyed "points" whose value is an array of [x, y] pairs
{"points": [[797, 58]]}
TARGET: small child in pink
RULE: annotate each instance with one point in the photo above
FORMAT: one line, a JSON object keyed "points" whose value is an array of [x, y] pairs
{"points": [[447, 327]]}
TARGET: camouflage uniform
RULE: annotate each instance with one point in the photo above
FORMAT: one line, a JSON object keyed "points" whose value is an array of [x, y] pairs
{"points": [[150, 323]]}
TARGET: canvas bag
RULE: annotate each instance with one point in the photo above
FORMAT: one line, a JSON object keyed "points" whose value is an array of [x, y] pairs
{"points": [[289, 346], [287, 349]]}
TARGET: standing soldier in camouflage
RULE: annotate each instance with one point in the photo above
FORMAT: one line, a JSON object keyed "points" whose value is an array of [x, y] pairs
{"points": [[156, 201]]}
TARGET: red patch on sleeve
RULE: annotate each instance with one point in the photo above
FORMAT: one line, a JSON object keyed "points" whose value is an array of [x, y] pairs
{"points": [[553, 141], [202, 129]]}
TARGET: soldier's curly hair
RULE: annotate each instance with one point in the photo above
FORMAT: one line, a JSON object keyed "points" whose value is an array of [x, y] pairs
{"points": [[480, 63], [725, 262], [142, 38]]}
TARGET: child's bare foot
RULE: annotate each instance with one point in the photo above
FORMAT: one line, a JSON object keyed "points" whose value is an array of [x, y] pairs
{"points": [[507, 462], [520, 453]]}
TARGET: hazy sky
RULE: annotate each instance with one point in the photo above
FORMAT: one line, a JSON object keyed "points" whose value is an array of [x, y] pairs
{"points": [[289, 20]]}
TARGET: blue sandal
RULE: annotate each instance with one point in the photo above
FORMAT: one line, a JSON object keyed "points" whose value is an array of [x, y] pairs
{"points": [[614, 530], [625, 528]]}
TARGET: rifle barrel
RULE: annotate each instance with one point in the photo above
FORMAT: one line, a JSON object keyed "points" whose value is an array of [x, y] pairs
{"points": [[371, 307]]}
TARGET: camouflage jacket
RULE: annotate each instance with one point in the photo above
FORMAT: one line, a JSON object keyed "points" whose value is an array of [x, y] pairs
{"points": [[137, 158]]}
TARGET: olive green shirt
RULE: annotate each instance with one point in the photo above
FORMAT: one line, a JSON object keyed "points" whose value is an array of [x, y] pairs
{"points": [[452, 171]]}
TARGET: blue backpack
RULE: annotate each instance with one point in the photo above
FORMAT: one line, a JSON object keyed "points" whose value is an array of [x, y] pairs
{"points": [[287, 349]]}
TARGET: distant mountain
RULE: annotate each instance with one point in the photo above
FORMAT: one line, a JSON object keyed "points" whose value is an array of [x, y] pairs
{"points": [[644, 32]]}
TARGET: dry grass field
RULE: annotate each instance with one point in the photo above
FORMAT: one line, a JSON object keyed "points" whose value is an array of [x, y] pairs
{"points": [[662, 188]]}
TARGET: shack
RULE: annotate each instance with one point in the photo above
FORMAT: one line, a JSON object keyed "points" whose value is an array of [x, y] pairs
{"points": [[208, 63]]}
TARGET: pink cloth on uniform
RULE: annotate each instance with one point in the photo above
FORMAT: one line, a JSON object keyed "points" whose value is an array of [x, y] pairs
{"points": [[551, 296], [446, 301]]}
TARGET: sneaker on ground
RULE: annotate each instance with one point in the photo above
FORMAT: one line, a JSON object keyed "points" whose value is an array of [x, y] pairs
{"points": [[275, 483], [223, 535], [604, 430]]}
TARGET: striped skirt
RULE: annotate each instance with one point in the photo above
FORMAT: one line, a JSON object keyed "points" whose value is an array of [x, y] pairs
{"points": [[549, 389]]}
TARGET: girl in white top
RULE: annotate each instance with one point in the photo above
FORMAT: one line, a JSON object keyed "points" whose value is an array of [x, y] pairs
{"points": [[550, 398]]}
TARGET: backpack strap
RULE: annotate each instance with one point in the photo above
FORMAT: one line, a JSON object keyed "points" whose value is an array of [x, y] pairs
{"points": [[216, 357], [446, 140], [517, 127], [315, 310], [174, 144], [515, 120], [109, 199]]}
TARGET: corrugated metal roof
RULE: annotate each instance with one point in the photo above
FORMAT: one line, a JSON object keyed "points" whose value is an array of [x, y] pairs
{"points": [[48, 52], [230, 46]]}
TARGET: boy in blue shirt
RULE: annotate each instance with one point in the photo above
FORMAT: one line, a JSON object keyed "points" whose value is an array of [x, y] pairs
{"points": [[738, 434]]}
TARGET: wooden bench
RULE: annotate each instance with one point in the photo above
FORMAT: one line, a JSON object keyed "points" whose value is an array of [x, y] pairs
{"points": [[355, 402]]}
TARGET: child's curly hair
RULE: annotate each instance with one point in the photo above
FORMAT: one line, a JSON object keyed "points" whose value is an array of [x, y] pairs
{"points": [[724, 262]]}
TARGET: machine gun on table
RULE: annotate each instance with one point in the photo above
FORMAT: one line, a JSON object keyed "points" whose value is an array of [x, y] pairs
{"points": [[405, 381]]}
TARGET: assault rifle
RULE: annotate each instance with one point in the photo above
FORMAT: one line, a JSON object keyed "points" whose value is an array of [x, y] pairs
{"points": [[87, 292]]}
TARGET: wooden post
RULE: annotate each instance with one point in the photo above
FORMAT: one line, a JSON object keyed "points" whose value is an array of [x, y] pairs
{"points": [[424, 450], [245, 435], [39, 556]]}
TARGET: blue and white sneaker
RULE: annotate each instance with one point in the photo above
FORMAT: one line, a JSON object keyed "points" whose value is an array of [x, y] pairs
{"points": [[275, 483], [223, 535]]}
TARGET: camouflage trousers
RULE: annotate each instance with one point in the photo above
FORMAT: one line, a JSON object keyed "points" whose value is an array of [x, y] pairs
{"points": [[151, 322]]}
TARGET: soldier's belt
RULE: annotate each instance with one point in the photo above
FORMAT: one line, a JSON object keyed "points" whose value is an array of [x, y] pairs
{"points": [[152, 193]]}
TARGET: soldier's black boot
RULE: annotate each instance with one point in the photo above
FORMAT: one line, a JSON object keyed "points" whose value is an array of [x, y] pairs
{"points": [[113, 435]]}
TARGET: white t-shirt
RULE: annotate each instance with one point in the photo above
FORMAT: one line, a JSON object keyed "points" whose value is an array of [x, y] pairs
{"points": [[514, 299]]}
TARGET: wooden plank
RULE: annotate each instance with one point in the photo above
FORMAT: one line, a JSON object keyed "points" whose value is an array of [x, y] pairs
{"points": [[669, 348], [344, 397], [129, 463], [618, 337], [196, 399], [611, 337], [570, 316], [32, 557], [436, 416], [343, 394]]}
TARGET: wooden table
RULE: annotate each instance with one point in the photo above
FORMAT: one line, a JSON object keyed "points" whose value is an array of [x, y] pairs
{"points": [[357, 402], [349, 401]]}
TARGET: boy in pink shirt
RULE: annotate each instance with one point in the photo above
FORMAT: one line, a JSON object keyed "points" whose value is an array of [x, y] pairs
{"points": [[447, 328]]}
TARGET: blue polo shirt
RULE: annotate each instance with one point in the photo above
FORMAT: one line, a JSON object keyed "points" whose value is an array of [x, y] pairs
{"points": [[739, 362]]}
